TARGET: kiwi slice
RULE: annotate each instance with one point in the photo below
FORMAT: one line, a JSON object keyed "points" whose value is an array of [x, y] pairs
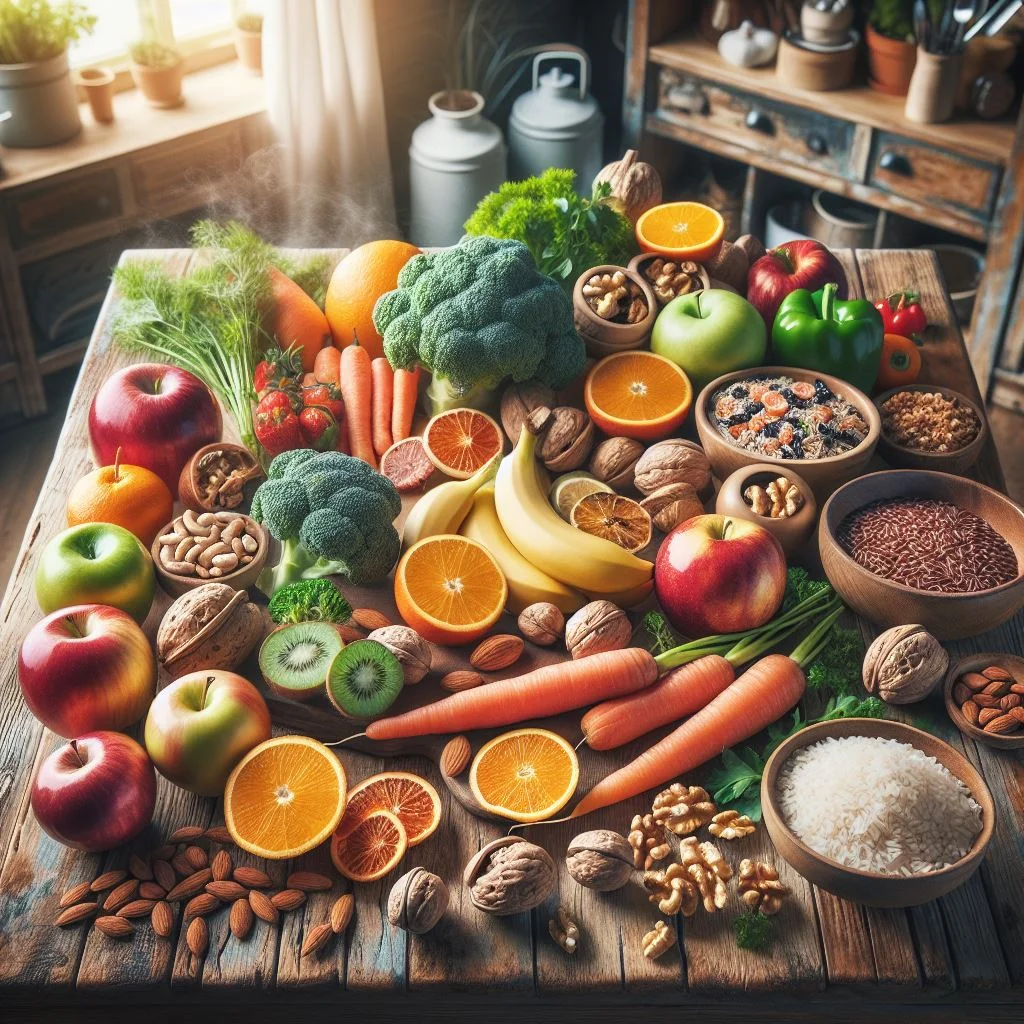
{"points": [[295, 657], [364, 679]]}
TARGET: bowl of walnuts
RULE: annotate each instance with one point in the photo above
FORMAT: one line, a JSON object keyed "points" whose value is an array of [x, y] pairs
{"points": [[614, 309]]}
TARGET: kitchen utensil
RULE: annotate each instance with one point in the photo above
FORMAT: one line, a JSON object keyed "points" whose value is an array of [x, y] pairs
{"points": [[981, 23], [999, 21], [963, 14], [922, 24]]}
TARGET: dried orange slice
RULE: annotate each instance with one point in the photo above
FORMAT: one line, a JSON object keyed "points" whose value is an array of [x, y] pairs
{"points": [[371, 849], [413, 800], [525, 775], [285, 797], [461, 441], [684, 230], [620, 520], [449, 589], [637, 394]]}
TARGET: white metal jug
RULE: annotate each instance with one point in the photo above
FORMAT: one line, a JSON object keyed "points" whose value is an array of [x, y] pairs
{"points": [[455, 159], [556, 123]]}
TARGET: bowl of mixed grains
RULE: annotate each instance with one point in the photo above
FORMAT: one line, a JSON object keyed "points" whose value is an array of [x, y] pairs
{"points": [[925, 426]]}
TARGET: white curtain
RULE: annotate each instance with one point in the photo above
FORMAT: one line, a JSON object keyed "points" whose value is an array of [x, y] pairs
{"points": [[325, 99]]}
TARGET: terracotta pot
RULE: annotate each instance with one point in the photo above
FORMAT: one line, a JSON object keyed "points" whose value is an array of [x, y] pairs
{"points": [[890, 63], [98, 86], [160, 86], [249, 47]]}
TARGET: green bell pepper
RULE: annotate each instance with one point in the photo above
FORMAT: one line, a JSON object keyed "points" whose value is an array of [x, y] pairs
{"points": [[818, 332]]}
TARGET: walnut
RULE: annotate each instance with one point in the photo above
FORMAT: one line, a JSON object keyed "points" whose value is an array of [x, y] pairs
{"points": [[673, 890], [779, 500], [614, 462], [673, 461], [601, 860], [705, 864], [509, 876], [671, 505], [564, 931], [904, 664], [613, 296], [649, 841], [669, 280], [597, 627], [731, 825], [418, 901], [518, 401], [542, 622], [658, 941], [567, 441], [760, 888], [683, 809], [411, 650]]}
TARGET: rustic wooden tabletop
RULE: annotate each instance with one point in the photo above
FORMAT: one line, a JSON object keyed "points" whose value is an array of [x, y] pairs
{"points": [[958, 957]]}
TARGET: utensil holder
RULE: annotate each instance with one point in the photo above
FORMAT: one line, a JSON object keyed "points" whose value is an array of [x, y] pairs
{"points": [[932, 92]]}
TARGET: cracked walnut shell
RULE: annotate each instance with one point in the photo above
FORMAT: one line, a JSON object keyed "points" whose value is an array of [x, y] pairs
{"points": [[518, 401], [417, 901], [649, 841], [509, 876], [601, 860], [760, 888], [567, 440], [673, 890], [683, 809]]}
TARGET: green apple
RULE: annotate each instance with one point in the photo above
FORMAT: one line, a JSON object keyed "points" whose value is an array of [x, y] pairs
{"points": [[96, 563], [709, 333]]}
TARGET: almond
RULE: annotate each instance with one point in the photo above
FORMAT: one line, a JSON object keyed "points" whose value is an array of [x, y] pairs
{"points": [[461, 679], [455, 757], [197, 938], [308, 881], [497, 652], [242, 919], [74, 895], [200, 906], [1017, 688], [140, 868], [997, 672], [185, 835], [121, 894], [189, 886], [196, 856], [974, 681], [227, 890], [219, 834], [287, 899], [221, 865], [970, 711], [262, 907], [163, 853], [961, 693], [108, 880], [164, 875], [1010, 701], [986, 700], [316, 940], [182, 865], [115, 927], [349, 633], [1002, 725], [137, 908], [997, 688], [341, 913], [987, 715], [151, 891], [252, 878], [1017, 713], [162, 919], [76, 913], [370, 619]]}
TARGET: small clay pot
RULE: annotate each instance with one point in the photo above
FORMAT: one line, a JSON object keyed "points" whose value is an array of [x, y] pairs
{"points": [[249, 47], [98, 86], [602, 337], [793, 532], [160, 86], [890, 63]]}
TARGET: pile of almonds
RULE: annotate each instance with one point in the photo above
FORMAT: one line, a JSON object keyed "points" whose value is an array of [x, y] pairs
{"points": [[992, 700]]}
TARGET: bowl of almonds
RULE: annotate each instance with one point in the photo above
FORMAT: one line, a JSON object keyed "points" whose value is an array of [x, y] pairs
{"points": [[984, 696], [614, 309], [196, 548]]}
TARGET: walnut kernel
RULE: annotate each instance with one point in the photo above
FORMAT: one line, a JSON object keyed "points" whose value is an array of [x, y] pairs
{"points": [[673, 890], [731, 825], [760, 888], [658, 941], [683, 809], [564, 931], [649, 841], [707, 867]]}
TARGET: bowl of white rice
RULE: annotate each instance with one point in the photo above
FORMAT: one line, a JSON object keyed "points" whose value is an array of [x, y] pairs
{"points": [[876, 812]]}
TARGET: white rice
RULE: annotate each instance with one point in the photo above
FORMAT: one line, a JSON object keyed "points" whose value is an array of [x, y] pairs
{"points": [[877, 805]]}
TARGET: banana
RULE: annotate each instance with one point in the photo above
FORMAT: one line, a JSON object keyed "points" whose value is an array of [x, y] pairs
{"points": [[526, 583], [443, 508], [591, 564]]}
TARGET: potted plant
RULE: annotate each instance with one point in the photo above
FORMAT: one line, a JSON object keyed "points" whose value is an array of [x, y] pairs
{"points": [[157, 70], [35, 84], [892, 50], [249, 41]]}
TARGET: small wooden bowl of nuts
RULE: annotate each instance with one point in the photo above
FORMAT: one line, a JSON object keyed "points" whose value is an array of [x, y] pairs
{"points": [[984, 696], [780, 501], [614, 309], [214, 478], [670, 279], [225, 547]]}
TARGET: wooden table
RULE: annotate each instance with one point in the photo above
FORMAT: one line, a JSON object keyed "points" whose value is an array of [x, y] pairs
{"points": [[833, 960]]}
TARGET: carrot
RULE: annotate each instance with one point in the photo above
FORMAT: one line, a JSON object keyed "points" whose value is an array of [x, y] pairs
{"points": [[383, 390], [356, 392], [679, 693], [327, 365], [545, 691], [403, 408]]}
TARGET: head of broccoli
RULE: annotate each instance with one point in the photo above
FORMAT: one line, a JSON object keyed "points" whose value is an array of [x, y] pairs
{"points": [[306, 600]]}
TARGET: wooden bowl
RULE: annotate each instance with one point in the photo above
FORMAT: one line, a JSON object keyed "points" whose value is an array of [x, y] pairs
{"points": [[191, 489], [602, 337], [240, 579], [636, 264], [823, 476], [975, 663], [946, 616], [793, 532], [946, 462], [876, 890]]}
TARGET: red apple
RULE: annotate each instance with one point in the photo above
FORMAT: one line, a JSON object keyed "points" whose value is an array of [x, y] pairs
{"points": [[716, 574], [96, 792], [158, 415], [85, 668], [802, 263]]}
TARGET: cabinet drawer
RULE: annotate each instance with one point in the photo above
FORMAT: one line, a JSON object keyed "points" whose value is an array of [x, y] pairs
{"points": [[933, 177], [789, 134], [60, 207], [171, 172]]}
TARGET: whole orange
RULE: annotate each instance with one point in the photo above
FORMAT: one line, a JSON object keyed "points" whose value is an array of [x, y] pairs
{"points": [[130, 496], [359, 280]]}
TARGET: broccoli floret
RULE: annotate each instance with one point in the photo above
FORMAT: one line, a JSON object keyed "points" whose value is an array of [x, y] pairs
{"points": [[475, 315], [306, 600], [332, 514]]}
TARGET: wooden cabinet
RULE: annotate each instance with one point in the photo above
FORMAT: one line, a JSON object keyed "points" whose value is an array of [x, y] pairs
{"points": [[165, 177], [45, 212]]}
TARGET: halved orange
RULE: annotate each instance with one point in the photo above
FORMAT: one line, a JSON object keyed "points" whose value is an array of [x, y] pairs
{"points": [[460, 441], [285, 797], [371, 849], [525, 775], [413, 800], [637, 394], [449, 589], [618, 519], [683, 231]]}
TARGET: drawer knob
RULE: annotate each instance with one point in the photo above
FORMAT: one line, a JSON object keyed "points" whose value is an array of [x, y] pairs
{"points": [[758, 122], [895, 163], [816, 143]]}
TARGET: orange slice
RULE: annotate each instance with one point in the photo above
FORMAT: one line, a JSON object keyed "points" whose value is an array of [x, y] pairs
{"points": [[620, 520], [449, 589], [371, 849], [525, 775], [684, 230], [413, 800], [637, 394], [285, 797], [461, 441]]}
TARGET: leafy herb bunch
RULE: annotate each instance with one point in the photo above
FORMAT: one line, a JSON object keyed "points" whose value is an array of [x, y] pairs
{"points": [[37, 30]]}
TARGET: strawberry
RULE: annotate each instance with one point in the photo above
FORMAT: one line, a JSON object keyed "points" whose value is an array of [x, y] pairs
{"points": [[276, 423], [326, 395], [319, 428], [277, 369]]}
